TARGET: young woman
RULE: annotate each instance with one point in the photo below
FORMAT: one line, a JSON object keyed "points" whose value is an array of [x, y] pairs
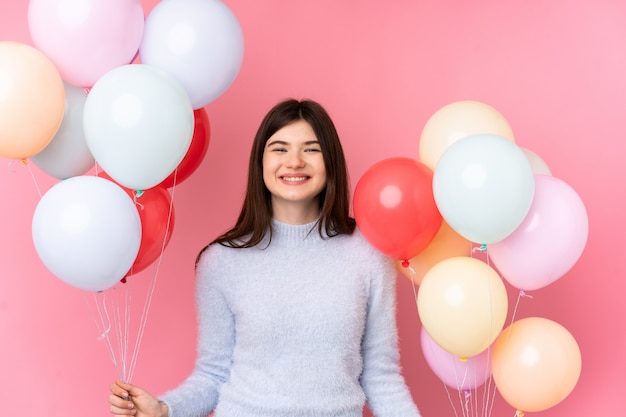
{"points": [[296, 310]]}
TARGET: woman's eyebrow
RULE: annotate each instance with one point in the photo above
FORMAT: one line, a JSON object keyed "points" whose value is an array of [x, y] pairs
{"points": [[284, 143], [276, 142]]}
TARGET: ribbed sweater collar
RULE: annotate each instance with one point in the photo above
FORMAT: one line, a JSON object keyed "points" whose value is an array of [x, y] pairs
{"points": [[294, 234]]}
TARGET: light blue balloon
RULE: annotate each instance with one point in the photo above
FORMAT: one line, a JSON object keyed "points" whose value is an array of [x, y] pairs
{"points": [[483, 186]]}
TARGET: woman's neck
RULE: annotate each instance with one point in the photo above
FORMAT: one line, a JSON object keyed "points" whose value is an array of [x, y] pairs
{"points": [[295, 213]]}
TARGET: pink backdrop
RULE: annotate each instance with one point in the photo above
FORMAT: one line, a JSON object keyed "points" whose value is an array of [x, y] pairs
{"points": [[554, 69]]}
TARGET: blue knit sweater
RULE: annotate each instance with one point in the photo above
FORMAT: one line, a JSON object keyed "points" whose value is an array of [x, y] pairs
{"points": [[302, 327]]}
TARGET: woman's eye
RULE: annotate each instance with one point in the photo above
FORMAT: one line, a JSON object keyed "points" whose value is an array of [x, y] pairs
{"points": [[312, 150]]}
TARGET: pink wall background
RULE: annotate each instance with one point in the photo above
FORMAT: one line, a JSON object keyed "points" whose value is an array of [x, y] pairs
{"points": [[554, 69]]}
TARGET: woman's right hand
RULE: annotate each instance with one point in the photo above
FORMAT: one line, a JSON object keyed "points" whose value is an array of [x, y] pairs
{"points": [[130, 400]]}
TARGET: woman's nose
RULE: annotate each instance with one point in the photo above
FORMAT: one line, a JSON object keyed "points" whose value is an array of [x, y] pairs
{"points": [[295, 160]]}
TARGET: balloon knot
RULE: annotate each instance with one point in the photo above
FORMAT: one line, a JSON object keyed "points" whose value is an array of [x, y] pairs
{"points": [[405, 263], [522, 293], [468, 394], [138, 193], [23, 162], [483, 247], [463, 359], [519, 413], [123, 280]]}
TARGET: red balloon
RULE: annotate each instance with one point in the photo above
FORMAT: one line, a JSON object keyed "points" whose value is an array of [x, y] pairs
{"points": [[154, 206], [395, 209], [196, 152]]}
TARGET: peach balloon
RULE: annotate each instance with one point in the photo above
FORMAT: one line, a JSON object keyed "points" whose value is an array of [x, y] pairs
{"points": [[455, 121], [462, 303], [536, 364], [32, 100], [446, 244]]}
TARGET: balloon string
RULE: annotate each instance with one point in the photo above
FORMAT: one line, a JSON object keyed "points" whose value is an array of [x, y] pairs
{"points": [[10, 166], [152, 285], [103, 325], [24, 163], [521, 294], [121, 328], [137, 203], [32, 175]]}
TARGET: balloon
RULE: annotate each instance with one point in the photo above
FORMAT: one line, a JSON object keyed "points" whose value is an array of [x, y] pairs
{"points": [[458, 120], [394, 207], [548, 242], [462, 374], [462, 303], [196, 152], [483, 186], [138, 125], [446, 244], [87, 38], [156, 213], [87, 232], [199, 42], [68, 155], [32, 100], [536, 364], [538, 165]]}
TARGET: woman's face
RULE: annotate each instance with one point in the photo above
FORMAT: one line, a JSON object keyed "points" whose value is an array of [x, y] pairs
{"points": [[294, 172]]}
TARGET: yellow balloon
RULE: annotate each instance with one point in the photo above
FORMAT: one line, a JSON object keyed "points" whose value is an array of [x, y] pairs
{"points": [[536, 364], [462, 304], [32, 100], [455, 121], [446, 244]]}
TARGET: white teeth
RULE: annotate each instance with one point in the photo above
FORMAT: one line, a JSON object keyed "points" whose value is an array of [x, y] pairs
{"points": [[294, 179]]}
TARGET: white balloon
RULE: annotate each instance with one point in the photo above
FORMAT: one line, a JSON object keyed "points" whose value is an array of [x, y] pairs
{"points": [[538, 165], [68, 155], [87, 232], [199, 42], [138, 123], [483, 186]]}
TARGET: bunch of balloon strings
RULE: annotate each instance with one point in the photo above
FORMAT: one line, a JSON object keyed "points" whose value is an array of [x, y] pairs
{"points": [[114, 310], [479, 400]]}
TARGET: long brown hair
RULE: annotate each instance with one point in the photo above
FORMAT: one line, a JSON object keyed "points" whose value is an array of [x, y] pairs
{"points": [[256, 213]]}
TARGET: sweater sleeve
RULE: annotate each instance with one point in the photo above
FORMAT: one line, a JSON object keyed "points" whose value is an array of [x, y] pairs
{"points": [[381, 379], [197, 396]]}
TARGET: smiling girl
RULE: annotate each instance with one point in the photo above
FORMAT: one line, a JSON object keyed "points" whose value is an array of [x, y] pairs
{"points": [[296, 309]]}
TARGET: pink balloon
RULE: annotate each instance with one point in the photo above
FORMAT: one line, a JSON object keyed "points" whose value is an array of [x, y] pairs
{"points": [[87, 38], [462, 375], [548, 242]]}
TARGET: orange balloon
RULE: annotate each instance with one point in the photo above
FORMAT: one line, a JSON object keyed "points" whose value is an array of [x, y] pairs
{"points": [[462, 304], [536, 363], [446, 244], [32, 100], [455, 121]]}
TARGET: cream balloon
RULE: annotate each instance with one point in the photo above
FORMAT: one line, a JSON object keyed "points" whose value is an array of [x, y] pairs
{"points": [[462, 303], [455, 121]]}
